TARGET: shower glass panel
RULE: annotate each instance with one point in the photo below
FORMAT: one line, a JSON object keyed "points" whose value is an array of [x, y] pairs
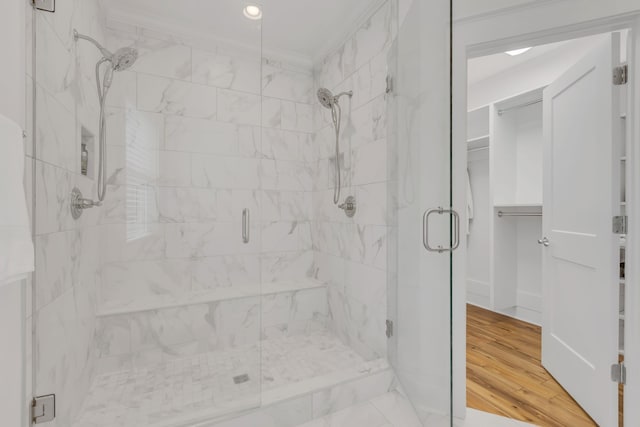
{"points": [[419, 160], [147, 308], [218, 276]]}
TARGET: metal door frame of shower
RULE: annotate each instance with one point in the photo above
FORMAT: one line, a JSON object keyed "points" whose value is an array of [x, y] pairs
{"points": [[498, 31]]}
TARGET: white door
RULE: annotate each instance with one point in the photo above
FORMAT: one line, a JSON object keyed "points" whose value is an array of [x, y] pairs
{"points": [[580, 291]]}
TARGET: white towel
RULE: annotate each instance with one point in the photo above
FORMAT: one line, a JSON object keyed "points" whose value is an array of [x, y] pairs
{"points": [[469, 203], [16, 245]]}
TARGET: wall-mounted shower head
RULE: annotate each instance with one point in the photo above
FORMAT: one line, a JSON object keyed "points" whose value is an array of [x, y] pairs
{"points": [[124, 58], [121, 60], [328, 100]]}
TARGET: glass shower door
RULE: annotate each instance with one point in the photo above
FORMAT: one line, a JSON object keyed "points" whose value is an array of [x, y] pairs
{"points": [[147, 308], [425, 230]]}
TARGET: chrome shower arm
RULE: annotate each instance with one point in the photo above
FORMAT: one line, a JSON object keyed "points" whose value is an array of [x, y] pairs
{"points": [[341, 94], [103, 50]]}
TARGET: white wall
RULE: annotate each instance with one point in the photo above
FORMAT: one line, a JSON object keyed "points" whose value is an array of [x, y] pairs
{"points": [[529, 155], [529, 276], [12, 105], [12, 72], [11, 372], [478, 261]]}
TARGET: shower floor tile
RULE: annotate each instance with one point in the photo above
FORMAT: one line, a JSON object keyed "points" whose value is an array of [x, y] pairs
{"points": [[202, 387]]}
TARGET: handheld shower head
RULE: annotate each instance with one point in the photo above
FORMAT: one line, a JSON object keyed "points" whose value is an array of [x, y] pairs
{"points": [[124, 58], [330, 101], [326, 98], [121, 60]]}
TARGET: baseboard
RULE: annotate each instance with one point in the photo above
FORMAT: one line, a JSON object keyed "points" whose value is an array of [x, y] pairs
{"points": [[478, 293], [478, 287], [530, 301]]}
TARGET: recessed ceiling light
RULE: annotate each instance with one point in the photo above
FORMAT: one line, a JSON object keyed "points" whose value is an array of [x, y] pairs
{"points": [[253, 12], [518, 51]]}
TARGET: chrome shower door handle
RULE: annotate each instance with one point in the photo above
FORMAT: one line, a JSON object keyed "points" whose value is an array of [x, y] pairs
{"points": [[246, 218], [456, 230]]}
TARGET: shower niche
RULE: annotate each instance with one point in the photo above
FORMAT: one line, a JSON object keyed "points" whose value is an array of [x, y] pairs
{"points": [[87, 153]]}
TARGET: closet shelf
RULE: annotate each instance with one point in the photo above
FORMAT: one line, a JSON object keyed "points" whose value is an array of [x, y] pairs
{"points": [[478, 143], [478, 138]]}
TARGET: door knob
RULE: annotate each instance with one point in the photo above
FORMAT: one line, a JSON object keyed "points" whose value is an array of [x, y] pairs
{"points": [[544, 241]]}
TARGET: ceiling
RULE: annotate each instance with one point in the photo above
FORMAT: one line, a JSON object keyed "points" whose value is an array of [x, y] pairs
{"points": [[484, 67], [305, 28]]}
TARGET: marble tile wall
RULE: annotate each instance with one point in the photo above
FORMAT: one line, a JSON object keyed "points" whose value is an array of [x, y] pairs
{"points": [[351, 254], [189, 149], [67, 252], [196, 135], [133, 340]]}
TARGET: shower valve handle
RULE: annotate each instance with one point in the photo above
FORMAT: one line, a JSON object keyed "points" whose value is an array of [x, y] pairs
{"points": [[349, 206], [79, 203]]}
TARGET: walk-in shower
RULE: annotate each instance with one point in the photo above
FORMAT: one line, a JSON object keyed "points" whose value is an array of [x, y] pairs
{"points": [[120, 60], [171, 306], [330, 101]]}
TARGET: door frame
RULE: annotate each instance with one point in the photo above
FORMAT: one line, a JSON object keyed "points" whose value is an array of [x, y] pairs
{"points": [[509, 28]]}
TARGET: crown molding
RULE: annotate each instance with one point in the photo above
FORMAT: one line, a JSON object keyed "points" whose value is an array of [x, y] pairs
{"points": [[531, 4], [188, 35]]}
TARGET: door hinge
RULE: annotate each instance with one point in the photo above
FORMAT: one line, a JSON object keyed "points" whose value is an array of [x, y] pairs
{"points": [[621, 75], [46, 5], [389, 84], [619, 373], [389, 329], [620, 224], [43, 409]]}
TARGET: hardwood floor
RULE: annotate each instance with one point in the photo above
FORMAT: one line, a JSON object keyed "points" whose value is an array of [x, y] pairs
{"points": [[505, 376]]}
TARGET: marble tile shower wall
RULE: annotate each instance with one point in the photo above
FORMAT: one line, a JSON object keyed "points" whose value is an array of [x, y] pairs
{"points": [[351, 254], [192, 142], [197, 134], [67, 251]]}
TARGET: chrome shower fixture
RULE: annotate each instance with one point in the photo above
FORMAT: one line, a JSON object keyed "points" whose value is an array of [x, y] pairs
{"points": [[329, 100], [120, 60]]}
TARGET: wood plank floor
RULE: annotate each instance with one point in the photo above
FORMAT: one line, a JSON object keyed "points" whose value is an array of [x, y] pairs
{"points": [[505, 376]]}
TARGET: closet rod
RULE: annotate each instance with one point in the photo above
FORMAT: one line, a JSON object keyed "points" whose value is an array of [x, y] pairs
{"points": [[501, 214], [526, 104]]}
